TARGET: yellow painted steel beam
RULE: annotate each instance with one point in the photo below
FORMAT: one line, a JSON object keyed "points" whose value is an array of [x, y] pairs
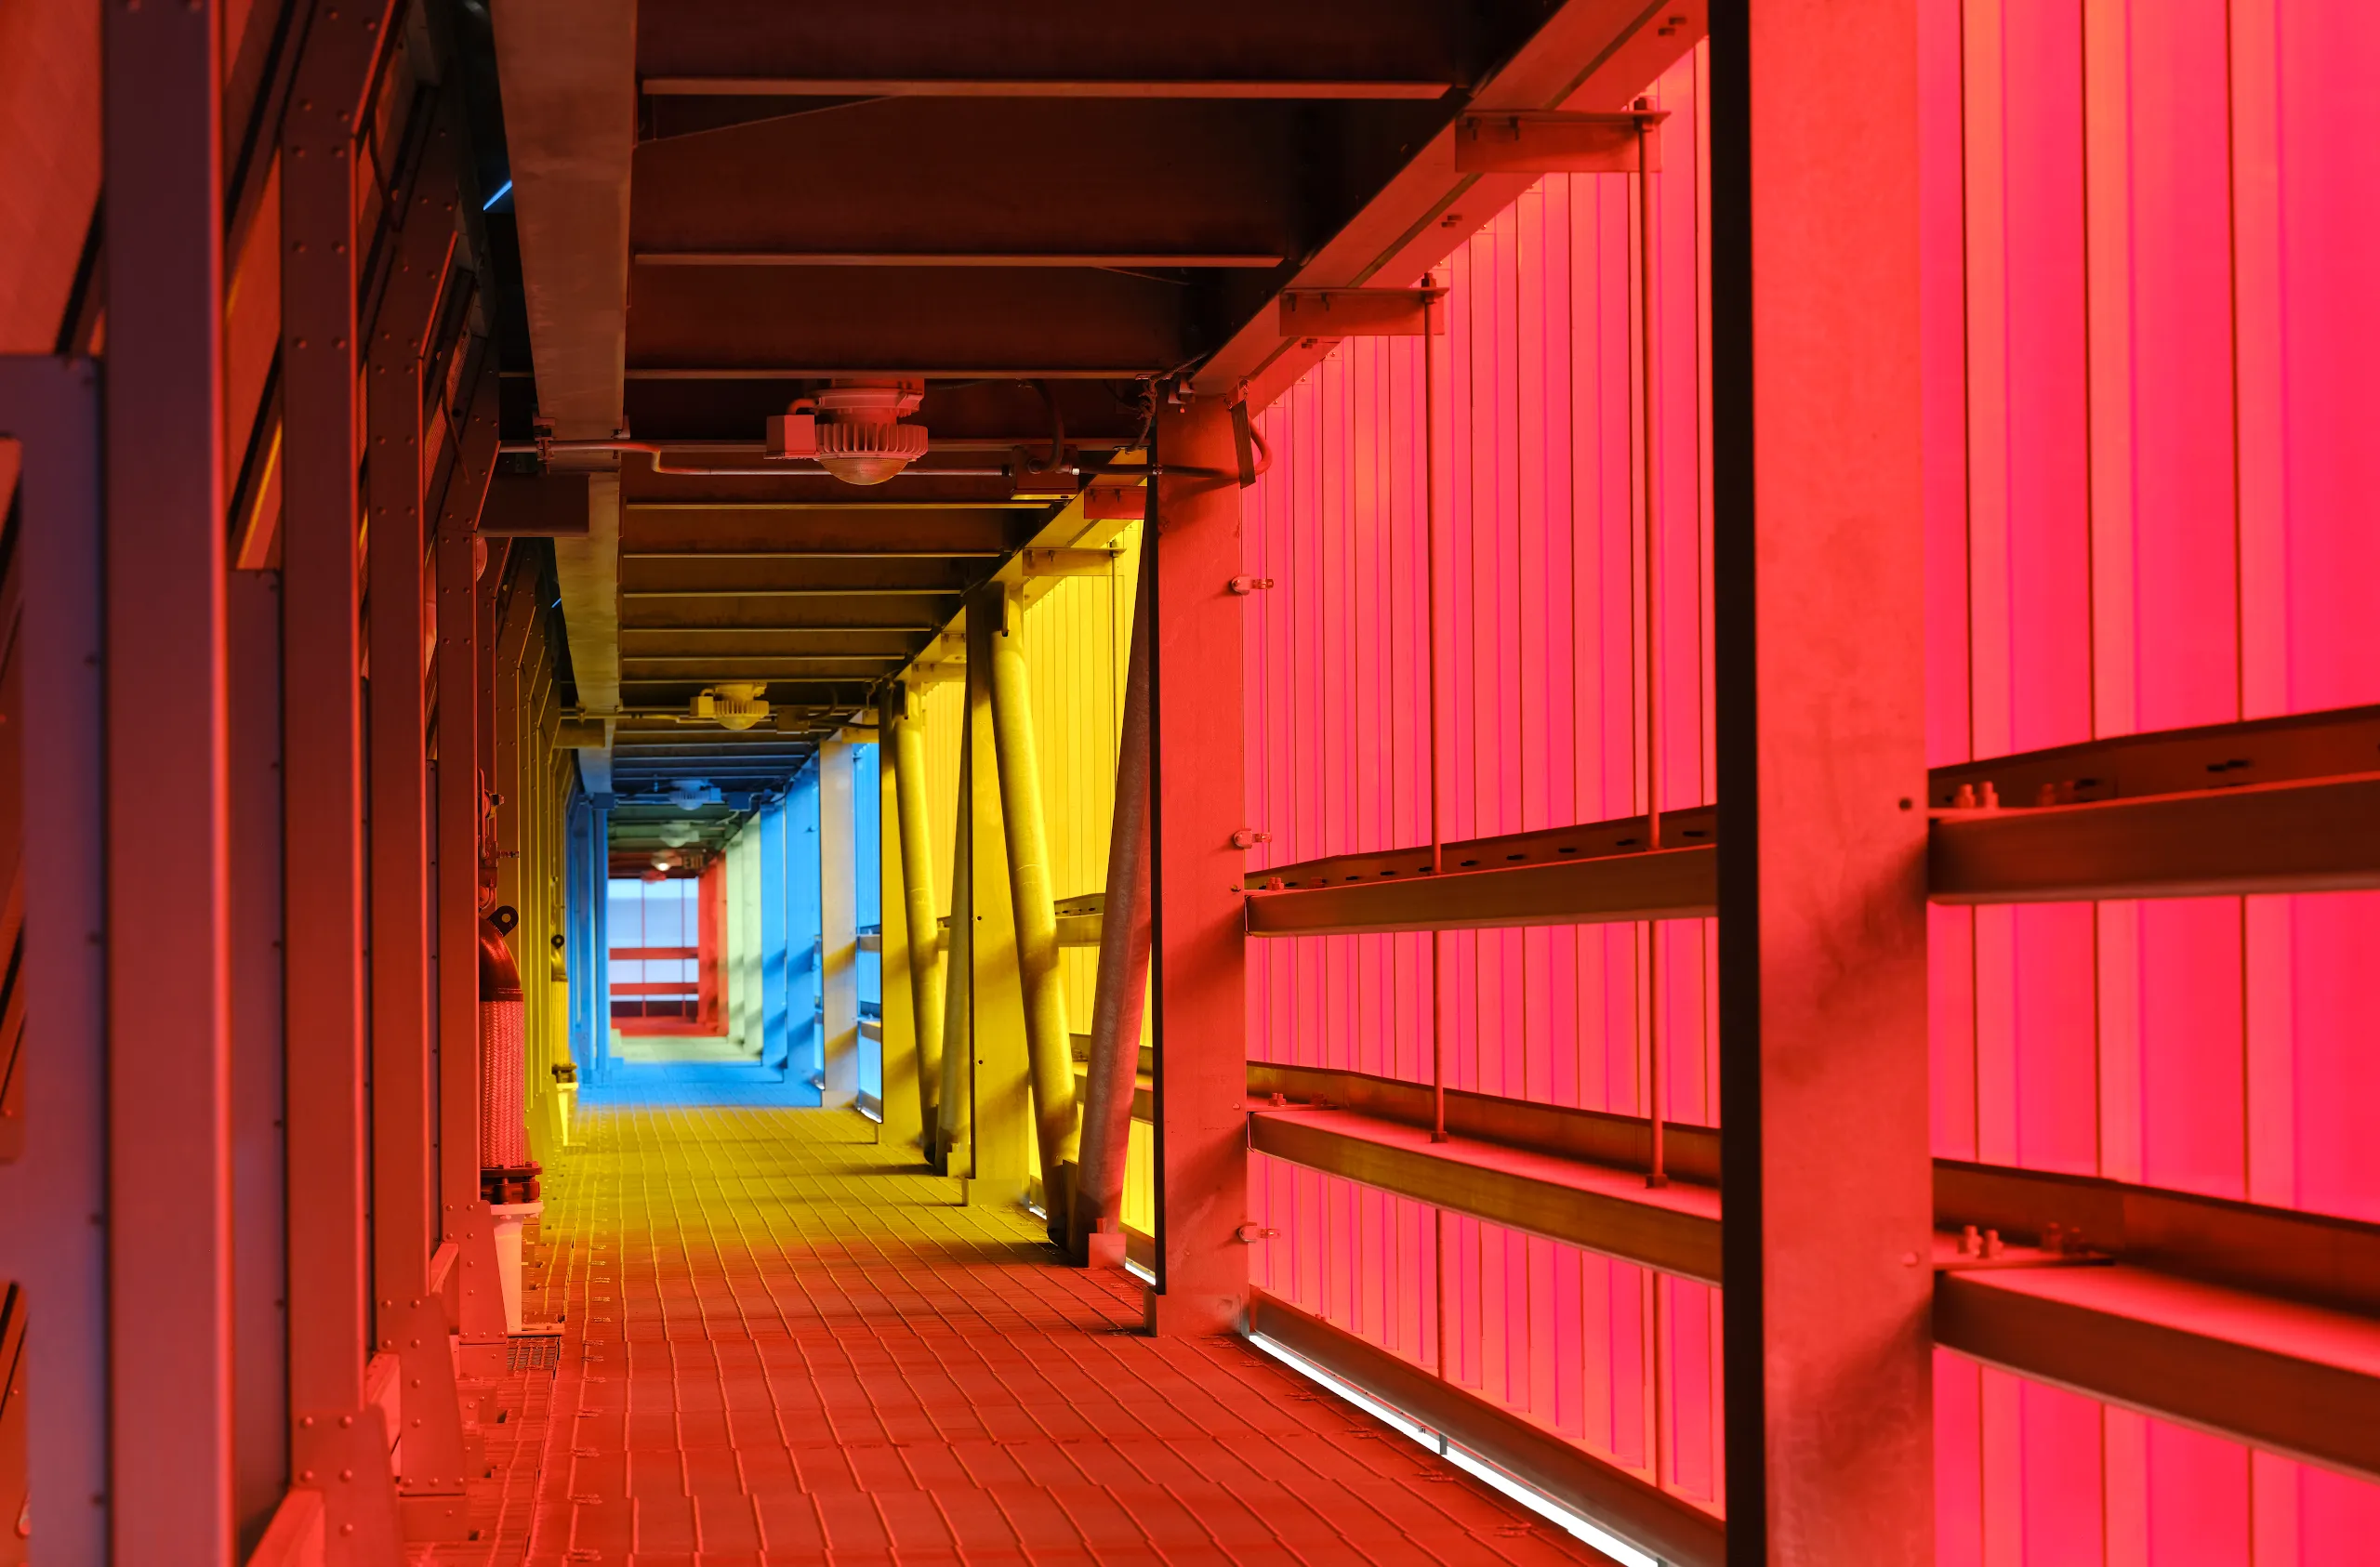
{"points": [[905, 767], [901, 1105], [1065, 562], [954, 1149], [1033, 908], [1673, 1229], [999, 1057], [837, 919]]}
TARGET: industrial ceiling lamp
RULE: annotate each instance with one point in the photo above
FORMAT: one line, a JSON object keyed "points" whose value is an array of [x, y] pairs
{"points": [[692, 794], [853, 429], [738, 704]]}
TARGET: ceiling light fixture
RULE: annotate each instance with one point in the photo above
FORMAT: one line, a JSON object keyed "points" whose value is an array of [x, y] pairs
{"points": [[853, 429]]}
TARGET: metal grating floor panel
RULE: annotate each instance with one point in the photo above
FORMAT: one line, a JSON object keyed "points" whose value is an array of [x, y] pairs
{"points": [[785, 1344]]}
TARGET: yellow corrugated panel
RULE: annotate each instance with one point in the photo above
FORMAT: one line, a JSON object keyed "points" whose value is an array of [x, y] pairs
{"points": [[944, 707], [1076, 638]]}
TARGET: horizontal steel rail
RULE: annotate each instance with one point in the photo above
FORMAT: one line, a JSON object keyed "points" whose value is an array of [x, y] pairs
{"points": [[2318, 835], [1657, 884], [1673, 1229], [1689, 1153], [2302, 1380], [1628, 1504]]}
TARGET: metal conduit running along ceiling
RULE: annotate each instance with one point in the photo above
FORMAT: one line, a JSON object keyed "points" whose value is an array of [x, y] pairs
{"points": [[724, 210]]}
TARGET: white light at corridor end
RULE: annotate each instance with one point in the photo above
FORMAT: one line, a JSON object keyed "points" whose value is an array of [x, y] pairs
{"points": [[1536, 1501]]}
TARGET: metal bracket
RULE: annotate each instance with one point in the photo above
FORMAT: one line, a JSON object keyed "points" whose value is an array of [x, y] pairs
{"points": [[1362, 312], [1555, 142]]}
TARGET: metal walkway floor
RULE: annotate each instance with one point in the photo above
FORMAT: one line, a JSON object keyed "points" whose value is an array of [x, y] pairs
{"points": [[784, 1344]]}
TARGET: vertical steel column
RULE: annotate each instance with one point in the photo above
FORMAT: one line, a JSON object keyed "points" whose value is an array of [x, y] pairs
{"points": [[324, 778], [1819, 557], [1122, 992], [1033, 907], [259, 1056], [476, 1304], [1434, 666], [953, 1137], [1647, 361], [775, 947], [398, 719], [510, 781], [1197, 796], [53, 1195], [838, 924], [899, 947], [168, 850], [999, 1060], [907, 756], [599, 974]]}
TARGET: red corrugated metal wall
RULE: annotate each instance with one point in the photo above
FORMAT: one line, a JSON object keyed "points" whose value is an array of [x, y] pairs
{"points": [[2151, 464], [1537, 405], [2150, 235], [1540, 691]]}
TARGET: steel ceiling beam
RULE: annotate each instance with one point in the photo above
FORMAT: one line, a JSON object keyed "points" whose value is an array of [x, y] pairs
{"points": [[1094, 261], [1315, 47], [568, 73], [1022, 322], [1587, 55], [1237, 88]]}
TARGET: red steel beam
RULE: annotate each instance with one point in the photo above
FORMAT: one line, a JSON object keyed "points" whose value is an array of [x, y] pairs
{"points": [[1818, 568], [1657, 883], [1674, 1229], [406, 1321], [2299, 1379], [1596, 1137], [1198, 994], [475, 1305], [53, 1194], [951, 86], [322, 773], [169, 1212], [403, 1180], [2309, 835]]}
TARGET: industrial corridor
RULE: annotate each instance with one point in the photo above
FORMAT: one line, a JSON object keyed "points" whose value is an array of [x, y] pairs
{"points": [[975, 782], [786, 1342]]}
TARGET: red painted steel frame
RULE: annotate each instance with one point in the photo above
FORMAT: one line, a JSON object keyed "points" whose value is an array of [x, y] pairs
{"points": [[463, 1217], [324, 775], [1821, 726], [168, 850], [1198, 996], [402, 1182], [52, 1196], [710, 964]]}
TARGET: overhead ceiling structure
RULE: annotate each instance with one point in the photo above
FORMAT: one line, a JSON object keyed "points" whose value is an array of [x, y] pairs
{"points": [[1029, 216]]}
